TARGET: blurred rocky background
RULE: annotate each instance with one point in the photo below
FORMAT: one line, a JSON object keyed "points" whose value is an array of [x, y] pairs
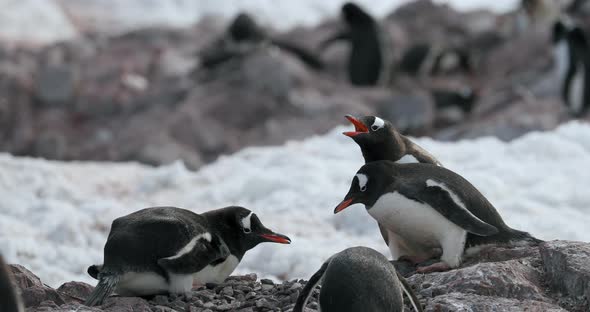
{"points": [[125, 92]]}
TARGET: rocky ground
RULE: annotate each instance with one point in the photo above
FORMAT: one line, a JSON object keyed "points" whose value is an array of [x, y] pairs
{"points": [[552, 277], [156, 95]]}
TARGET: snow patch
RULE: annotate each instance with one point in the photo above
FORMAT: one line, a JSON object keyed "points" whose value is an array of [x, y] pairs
{"points": [[55, 216]]}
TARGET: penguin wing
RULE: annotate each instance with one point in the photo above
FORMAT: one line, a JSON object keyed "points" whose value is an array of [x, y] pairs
{"points": [[384, 233], [438, 196], [201, 251], [342, 35]]}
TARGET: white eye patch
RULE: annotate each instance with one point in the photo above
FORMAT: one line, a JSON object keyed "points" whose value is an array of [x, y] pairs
{"points": [[246, 222], [362, 181], [377, 124]]}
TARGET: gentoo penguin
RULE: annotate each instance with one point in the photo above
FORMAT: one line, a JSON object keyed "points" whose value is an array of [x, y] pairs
{"points": [[426, 208], [369, 62], [358, 279], [9, 298], [163, 250], [244, 33], [379, 140], [425, 59], [572, 60]]}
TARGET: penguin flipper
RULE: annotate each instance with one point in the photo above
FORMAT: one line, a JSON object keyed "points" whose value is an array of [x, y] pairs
{"points": [[444, 201], [384, 233], [342, 35], [306, 56], [409, 293], [314, 280], [199, 255]]}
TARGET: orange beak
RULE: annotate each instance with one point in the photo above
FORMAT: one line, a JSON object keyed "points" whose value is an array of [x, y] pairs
{"points": [[359, 127]]}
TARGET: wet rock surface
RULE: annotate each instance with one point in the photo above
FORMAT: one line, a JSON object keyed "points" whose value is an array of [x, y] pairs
{"points": [[550, 277]]}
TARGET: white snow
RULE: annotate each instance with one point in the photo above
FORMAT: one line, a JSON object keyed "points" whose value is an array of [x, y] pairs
{"points": [[55, 216], [46, 21]]}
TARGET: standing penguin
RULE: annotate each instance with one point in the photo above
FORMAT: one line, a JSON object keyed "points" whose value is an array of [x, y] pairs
{"points": [[425, 208], [9, 298], [572, 59], [379, 140], [369, 61], [358, 279], [165, 249]]}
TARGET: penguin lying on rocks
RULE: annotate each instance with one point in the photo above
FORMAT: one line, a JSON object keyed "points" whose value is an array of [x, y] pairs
{"points": [[425, 208], [163, 250], [9, 297], [358, 279]]}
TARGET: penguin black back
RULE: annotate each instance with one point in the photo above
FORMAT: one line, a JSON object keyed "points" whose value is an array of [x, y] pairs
{"points": [[358, 279], [9, 298]]}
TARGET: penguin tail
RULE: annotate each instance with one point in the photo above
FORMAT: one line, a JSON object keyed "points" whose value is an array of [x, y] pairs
{"points": [[106, 286], [521, 236], [314, 280], [409, 293], [94, 270]]}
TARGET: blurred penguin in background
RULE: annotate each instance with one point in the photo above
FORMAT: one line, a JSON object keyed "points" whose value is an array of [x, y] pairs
{"points": [[242, 34], [9, 298], [369, 61], [572, 64], [538, 14]]}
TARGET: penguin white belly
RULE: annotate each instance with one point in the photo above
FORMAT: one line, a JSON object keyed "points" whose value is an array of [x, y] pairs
{"points": [[420, 226], [576, 94], [217, 273], [141, 284]]}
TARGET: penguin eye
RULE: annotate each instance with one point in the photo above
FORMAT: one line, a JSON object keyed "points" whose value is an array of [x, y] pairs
{"points": [[375, 128], [363, 188], [247, 230]]}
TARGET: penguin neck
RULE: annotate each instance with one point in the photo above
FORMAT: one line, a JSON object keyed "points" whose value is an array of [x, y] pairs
{"points": [[230, 236], [392, 149]]}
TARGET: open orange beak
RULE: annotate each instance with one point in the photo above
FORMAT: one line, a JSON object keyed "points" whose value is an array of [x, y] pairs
{"points": [[359, 127], [343, 205]]}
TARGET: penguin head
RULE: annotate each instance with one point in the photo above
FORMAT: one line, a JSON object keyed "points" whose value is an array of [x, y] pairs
{"points": [[376, 137], [368, 185], [354, 15], [245, 226]]}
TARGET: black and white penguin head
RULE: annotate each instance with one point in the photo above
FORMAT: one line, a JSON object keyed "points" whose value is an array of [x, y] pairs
{"points": [[377, 137], [244, 228], [369, 183], [354, 15]]}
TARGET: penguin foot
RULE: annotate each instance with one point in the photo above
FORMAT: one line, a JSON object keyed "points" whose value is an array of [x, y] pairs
{"points": [[413, 259], [436, 267]]}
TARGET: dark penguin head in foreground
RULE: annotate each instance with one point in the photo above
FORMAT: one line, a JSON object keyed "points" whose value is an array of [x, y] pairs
{"points": [[379, 140], [9, 297], [164, 250], [358, 279]]}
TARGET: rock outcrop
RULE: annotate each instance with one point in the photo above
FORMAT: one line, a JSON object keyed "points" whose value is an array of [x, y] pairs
{"points": [[551, 277], [152, 95]]}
